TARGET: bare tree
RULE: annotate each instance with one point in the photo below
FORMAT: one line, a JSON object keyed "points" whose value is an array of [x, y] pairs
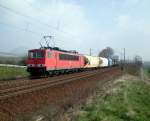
{"points": [[138, 60], [108, 52], [115, 59], [23, 61]]}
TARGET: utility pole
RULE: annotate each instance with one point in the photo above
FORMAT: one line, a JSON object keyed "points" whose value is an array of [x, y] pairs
{"points": [[90, 51], [124, 65], [124, 53]]}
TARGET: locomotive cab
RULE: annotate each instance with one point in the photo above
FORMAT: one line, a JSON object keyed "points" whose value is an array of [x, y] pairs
{"points": [[36, 61]]}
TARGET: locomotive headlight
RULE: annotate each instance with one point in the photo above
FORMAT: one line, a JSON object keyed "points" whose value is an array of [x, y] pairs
{"points": [[41, 65], [30, 65]]}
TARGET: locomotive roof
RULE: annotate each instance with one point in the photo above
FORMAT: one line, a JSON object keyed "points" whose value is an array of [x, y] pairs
{"points": [[57, 49]]}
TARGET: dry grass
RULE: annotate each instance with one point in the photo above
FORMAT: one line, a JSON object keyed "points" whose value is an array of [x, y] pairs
{"points": [[129, 101]]}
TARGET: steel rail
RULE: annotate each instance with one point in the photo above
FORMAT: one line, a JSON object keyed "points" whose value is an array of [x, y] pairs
{"points": [[18, 87], [30, 88]]}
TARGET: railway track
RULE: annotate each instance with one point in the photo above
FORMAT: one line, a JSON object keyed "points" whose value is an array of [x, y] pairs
{"points": [[61, 91], [34, 86], [25, 81]]}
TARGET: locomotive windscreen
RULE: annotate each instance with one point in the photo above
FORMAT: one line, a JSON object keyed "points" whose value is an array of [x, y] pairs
{"points": [[36, 54]]}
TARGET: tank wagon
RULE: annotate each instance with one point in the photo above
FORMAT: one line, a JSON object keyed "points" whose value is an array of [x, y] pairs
{"points": [[96, 62], [110, 62], [92, 61], [48, 60], [104, 62]]}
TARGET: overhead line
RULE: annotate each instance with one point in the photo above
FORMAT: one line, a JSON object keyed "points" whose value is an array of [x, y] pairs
{"points": [[25, 30], [24, 15], [38, 8], [29, 17], [21, 29]]}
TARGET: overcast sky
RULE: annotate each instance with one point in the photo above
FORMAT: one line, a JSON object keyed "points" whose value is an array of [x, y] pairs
{"points": [[77, 25]]}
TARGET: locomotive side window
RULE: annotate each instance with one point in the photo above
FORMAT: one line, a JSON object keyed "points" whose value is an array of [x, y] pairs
{"points": [[61, 57], [68, 57], [49, 54]]}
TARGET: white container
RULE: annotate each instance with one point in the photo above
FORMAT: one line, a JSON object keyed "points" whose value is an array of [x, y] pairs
{"points": [[104, 62], [92, 61]]}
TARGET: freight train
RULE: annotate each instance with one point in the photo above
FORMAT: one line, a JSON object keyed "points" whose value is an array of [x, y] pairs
{"points": [[48, 60]]}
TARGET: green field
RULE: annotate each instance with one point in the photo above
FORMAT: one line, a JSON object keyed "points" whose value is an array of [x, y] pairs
{"points": [[129, 101], [12, 72], [147, 72]]}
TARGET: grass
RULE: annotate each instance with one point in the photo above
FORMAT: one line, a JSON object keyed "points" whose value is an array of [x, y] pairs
{"points": [[147, 72], [130, 101], [12, 72], [133, 69]]}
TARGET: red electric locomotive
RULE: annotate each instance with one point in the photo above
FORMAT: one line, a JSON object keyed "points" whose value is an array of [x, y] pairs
{"points": [[49, 60]]}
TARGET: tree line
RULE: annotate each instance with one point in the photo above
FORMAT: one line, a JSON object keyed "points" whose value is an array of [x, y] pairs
{"points": [[109, 52], [14, 60]]}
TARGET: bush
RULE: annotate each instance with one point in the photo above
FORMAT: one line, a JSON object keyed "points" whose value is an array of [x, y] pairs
{"points": [[148, 70], [23, 61], [14, 60]]}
